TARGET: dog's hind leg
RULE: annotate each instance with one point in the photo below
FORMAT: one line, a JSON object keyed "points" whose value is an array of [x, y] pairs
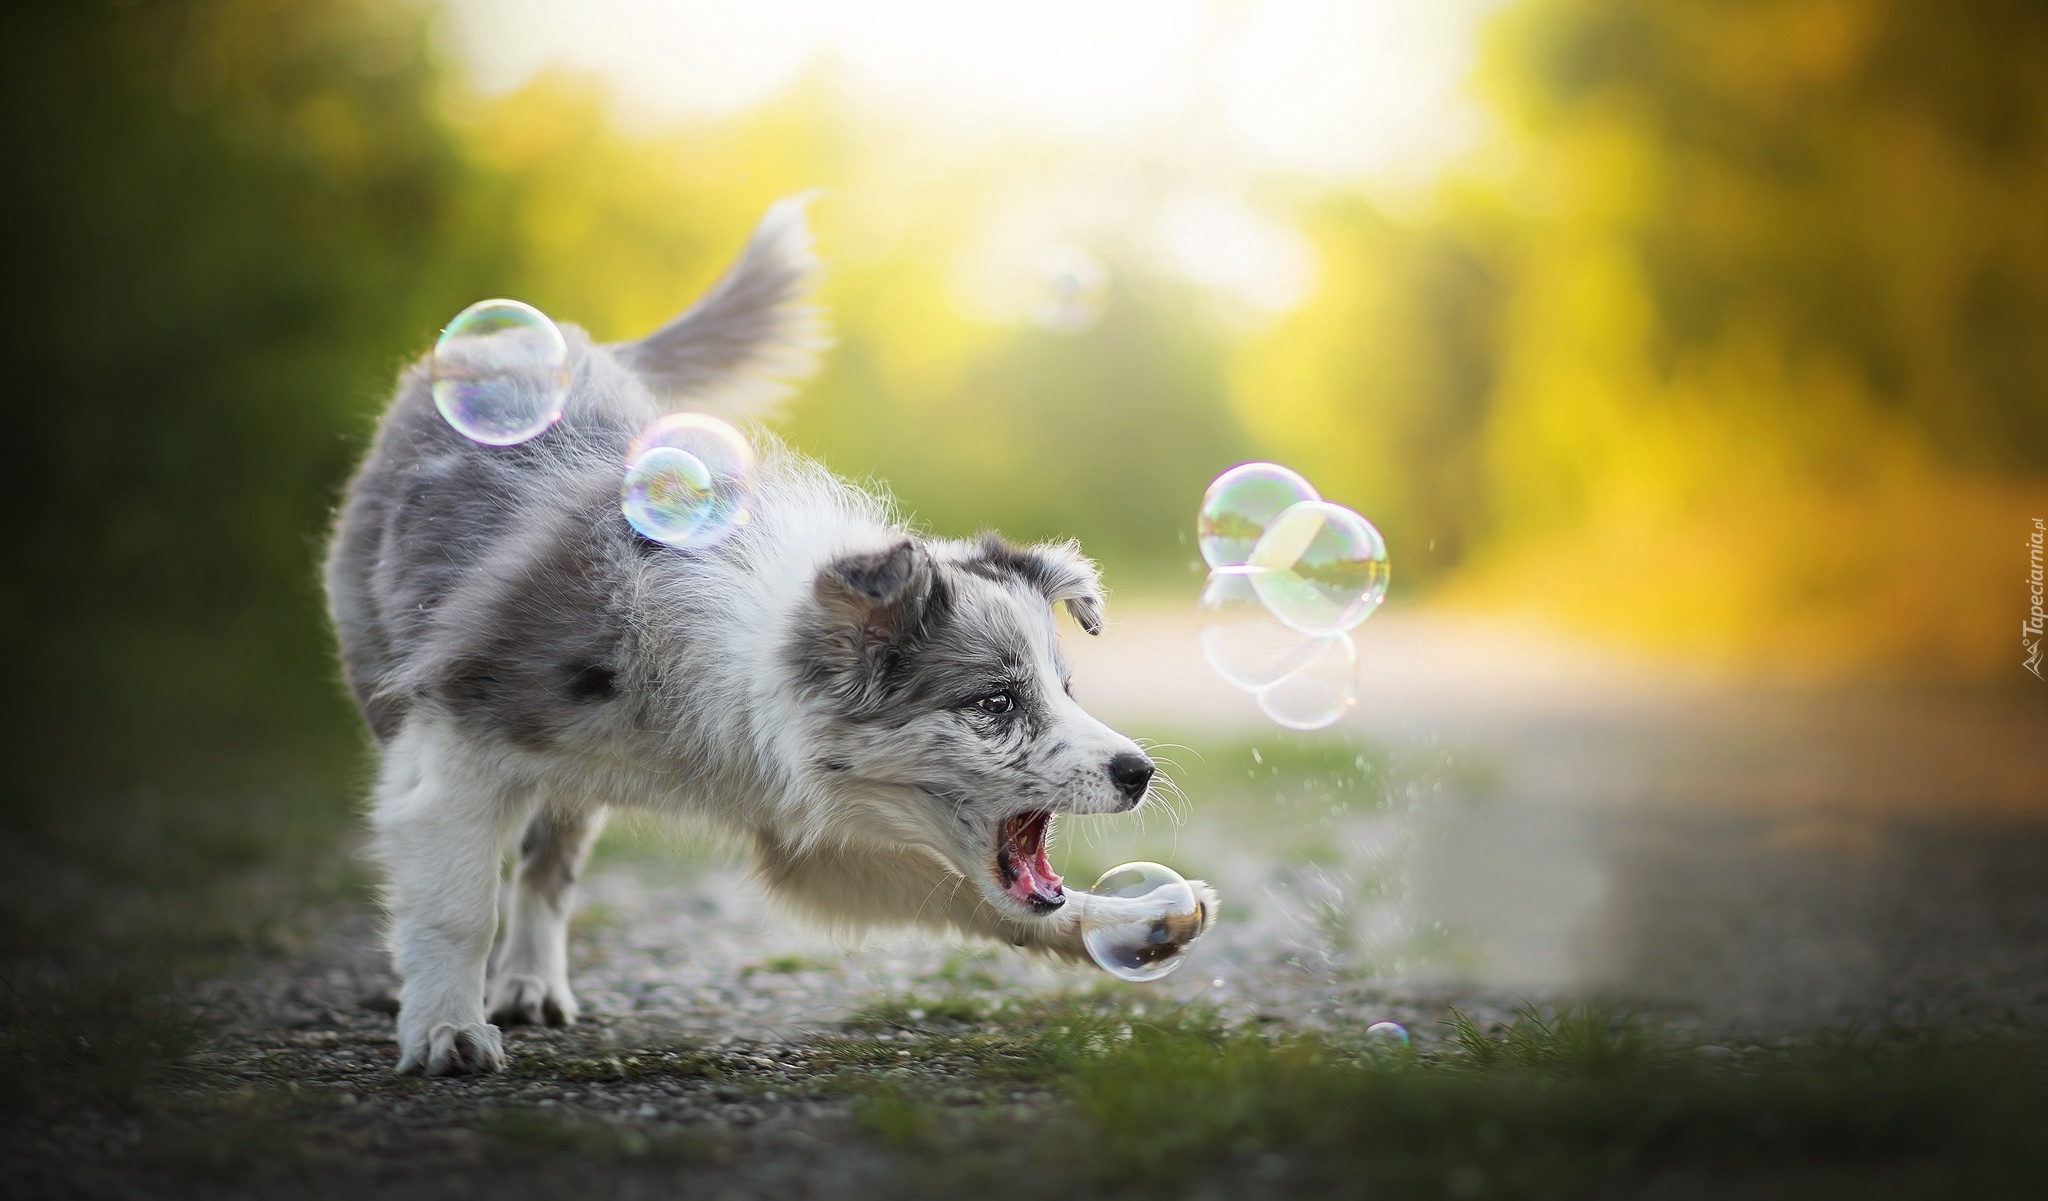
{"points": [[441, 829], [532, 982]]}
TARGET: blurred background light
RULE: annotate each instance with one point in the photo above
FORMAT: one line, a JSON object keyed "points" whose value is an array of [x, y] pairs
{"points": [[1324, 86]]}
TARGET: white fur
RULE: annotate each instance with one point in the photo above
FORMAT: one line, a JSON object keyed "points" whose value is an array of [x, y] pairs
{"points": [[856, 822]]}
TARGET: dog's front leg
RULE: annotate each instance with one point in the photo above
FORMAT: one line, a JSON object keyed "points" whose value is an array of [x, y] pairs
{"points": [[1059, 932], [861, 886], [441, 830]]}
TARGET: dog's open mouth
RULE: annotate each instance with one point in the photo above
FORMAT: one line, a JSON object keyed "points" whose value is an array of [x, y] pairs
{"points": [[1021, 865]]}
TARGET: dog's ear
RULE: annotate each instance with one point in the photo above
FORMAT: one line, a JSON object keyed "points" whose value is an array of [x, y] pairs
{"points": [[1057, 569], [1072, 578], [878, 601]]}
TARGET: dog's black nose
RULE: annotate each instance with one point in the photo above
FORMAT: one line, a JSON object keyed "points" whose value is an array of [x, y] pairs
{"points": [[1132, 773]]}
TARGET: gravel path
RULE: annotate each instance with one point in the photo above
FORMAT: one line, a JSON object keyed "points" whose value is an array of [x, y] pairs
{"points": [[1502, 818]]}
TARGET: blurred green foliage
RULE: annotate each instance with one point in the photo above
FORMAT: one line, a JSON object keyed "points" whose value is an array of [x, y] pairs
{"points": [[230, 222], [1731, 341]]}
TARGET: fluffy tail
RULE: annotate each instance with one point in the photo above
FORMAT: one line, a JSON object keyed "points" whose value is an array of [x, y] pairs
{"points": [[742, 346]]}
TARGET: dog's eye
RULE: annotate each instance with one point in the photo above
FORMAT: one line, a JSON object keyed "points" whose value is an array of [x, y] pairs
{"points": [[996, 702]]}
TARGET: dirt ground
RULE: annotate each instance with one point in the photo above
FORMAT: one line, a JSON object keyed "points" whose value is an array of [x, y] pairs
{"points": [[1503, 819]]}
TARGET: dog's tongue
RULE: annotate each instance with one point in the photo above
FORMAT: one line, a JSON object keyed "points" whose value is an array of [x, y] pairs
{"points": [[1035, 878], [1032, 879]]}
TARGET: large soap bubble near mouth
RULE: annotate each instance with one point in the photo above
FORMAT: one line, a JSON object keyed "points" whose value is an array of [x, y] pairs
{"points": [[1154, 917], [500, 373]]}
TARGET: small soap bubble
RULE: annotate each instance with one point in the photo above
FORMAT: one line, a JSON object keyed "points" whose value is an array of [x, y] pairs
{"points": [[1241, 638], [690, 481], [1320, 692], [1142, 921], [1074, 289], [1391, 1034], [1238, 507], [500, 372], [1325, 567]]}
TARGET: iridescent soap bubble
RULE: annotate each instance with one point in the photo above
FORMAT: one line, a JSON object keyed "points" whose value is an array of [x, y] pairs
{"points": [[500, 372], [1142, 920], [1238, 507], [1241, 638], [1073, 290], [1318, 693], [690, 481], [1387, 1034], [1325, 567]]}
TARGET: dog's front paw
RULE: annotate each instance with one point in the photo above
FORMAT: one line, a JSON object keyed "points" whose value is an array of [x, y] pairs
{"points": [[527, 1000], [1208, 903], [1139, 933], [449, 1049]]}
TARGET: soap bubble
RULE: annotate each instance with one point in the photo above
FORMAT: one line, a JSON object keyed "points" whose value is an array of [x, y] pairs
{"points": [[1144, 918], [1291, 573], [500, 372], [1238, 507], [1241, 638], [1389, 1034], [1326, 567], [1319, 692], [1074, 290], [689, 481]]}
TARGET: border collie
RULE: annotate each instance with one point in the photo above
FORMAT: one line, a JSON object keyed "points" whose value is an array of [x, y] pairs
{"points": [[883, 716]]}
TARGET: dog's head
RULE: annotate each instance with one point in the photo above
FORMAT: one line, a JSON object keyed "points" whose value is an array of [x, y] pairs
{"points": [[941, 713]]}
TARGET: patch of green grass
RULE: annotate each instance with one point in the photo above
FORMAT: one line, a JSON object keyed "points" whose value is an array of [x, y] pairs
{"points": [[990, 1044], [914, 1014], [1550, 1106], [898, 1116], [1554, 1104], [790, 965]]}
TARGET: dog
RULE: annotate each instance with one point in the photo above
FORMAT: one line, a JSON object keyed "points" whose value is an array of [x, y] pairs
{"points": [[885, 717]]}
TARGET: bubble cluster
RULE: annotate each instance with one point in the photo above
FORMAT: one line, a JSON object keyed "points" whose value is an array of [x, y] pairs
{"points": [[1317, 693], [1290, 575], [690, 481], [1142, 921], [1238, 507], [1240, 637], [1073, 290], [500, 372], [1324, 567]]}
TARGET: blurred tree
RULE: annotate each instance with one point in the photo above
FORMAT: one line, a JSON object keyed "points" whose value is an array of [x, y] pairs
{"points": [[239, 218], [229, 215], [1379, 387], [1860, 181], [971, 421], [1773, 383], [1732, 342]]}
